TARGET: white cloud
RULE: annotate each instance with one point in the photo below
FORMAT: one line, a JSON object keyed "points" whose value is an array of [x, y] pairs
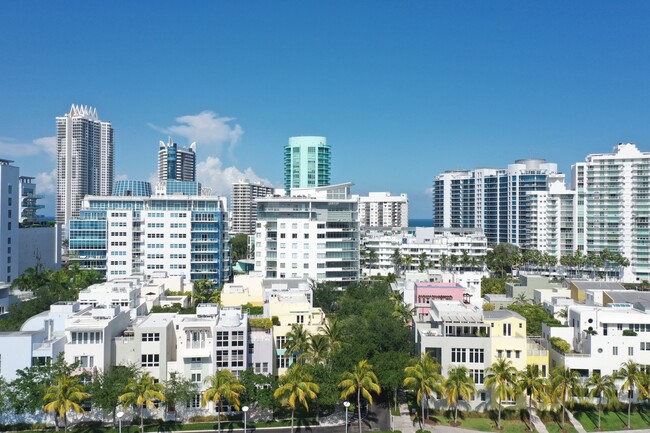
{"points": [[206, 129], [10, 147], [212, 174], [122, 177], [428, 191], [46, 182]]}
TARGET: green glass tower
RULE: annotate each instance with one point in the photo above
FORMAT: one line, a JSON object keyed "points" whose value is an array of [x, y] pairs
{"points": [[307, 163]]}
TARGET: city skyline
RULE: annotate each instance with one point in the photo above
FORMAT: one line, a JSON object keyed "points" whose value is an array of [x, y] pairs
{"points": [[409, 91]]}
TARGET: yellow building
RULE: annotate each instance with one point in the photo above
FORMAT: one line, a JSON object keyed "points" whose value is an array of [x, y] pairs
{"points": [[288, 309], [507, 337]]}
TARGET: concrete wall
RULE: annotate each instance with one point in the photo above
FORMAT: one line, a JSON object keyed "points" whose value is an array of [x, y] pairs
{"points": [[39, 245]]}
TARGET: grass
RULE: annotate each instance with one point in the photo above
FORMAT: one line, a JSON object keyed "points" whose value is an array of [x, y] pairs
{"points": [[612, 420], [489, 425], [554, 427]]}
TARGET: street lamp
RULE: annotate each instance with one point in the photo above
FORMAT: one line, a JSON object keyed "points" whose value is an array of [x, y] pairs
{"points": [[119, 415], [245, 409], [347, 406]]}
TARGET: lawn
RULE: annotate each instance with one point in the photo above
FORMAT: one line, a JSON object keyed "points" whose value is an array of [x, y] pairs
{"points": [[612, 420], [489, 425], [554, 427]]}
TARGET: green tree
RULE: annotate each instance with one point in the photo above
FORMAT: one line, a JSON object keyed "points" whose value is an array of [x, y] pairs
{"points": [[503, 258], [297, 344], [398, 261], [296, 388], [501, 377], [532, 384], [259, 388], [458, 385], [142, 391], [239, 247], [107, 386], [361, 381], [371, 259], [565, 384], [223, 387], [423, 378], [389, 367], [602, 387], [178, 390], [63, 396], [423, 261], [205, 292], [632, 377], [319, 349]]}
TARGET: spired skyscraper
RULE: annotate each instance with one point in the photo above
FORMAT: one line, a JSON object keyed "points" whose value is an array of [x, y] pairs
{"points": [[85, 160], [176, 163], [307, 163]]}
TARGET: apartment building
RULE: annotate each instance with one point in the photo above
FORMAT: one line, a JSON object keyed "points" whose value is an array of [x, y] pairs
{"points": [[381, 209], [176, 163], [307, 163], [244, 207], [414, 242], [314, 234], [177, 234]]}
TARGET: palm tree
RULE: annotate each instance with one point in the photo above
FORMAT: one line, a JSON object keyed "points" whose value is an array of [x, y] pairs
{"points": [[501, 377], [64, 396], [602, 386], [565, 384], [423, 378], [403, 312], [521, 299], [362, 381], [529, 381], [319, 349], [632, 377], [332, 330], [223, 386], [398, 260], [408, 262], [422, 261], [371, 258], [297, 345], [458, 385], [142, 391], [296, 387]]}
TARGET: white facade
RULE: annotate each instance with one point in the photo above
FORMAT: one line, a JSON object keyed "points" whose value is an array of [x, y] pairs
{"points": [[39, 246], [422, 240], [9, 218], [613, 206], [380, 209], [244, 207], [312, 234], [84, 160]]}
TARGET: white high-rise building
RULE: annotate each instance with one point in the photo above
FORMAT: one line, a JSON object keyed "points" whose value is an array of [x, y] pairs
{"points": [[244, 208], [314, 234], [489, 199], [9, 218], [380, 209], [613, 206], [84, 160]]}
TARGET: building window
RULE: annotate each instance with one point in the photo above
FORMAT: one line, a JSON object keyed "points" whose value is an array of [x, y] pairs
{"points": [[281, 361], [222, 358], [300, 318], [280, 341], [507, 329], [477, 355], [222, 338], [517, 354], [195, 403], [237, 338], [499, 353], [615, 350], [237, 357], [196, 377], [477, 376], [151, 360], [458, 355], [630, 351], [85, 361]]}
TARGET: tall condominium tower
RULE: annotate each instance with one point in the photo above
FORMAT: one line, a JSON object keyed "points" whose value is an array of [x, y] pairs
{"points": [[489, 199], [176, 163], [244, 207], [9, 217], [380, 209], [307, 163], [84, 160], [613, 206]]}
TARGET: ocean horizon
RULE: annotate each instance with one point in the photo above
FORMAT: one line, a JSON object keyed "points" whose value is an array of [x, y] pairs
{"points": [[420, 222]]}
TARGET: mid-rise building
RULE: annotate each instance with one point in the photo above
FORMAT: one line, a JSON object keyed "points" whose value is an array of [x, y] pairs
{"points": [[29, 201], [9, 219], [244, 207], [489, 199], [85, 160], [177, 234], [314, 234], [176, 163], [380, 209], [307, 163]]}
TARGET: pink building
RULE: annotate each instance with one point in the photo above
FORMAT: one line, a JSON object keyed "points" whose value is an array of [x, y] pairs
{"points": [[425, 292]]}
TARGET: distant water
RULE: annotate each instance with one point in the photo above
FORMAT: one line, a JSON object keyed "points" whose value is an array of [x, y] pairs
{"points": [[421, 222]]}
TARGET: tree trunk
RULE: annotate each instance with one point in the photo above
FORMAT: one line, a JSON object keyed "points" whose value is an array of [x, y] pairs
{"points": [[141, 419], [359, 407], [292, 410], [65, 422], [395, 398], [629, 409], [456, 413], [530, 410], [563, 410], [499, 418], [56, 421], [219, 416], [317, 412], [600, 402]]}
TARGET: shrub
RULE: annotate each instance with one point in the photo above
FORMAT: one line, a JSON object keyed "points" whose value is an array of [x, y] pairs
{"points": [[264, 323], [560, 344], [275, 320], [629, 333]]}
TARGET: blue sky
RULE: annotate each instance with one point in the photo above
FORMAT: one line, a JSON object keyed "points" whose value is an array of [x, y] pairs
{"points": [[402, 90]]}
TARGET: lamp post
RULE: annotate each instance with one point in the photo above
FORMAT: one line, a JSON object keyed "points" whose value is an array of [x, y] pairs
{"points": [[244, 409], [347, 406], [119, 415]]}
